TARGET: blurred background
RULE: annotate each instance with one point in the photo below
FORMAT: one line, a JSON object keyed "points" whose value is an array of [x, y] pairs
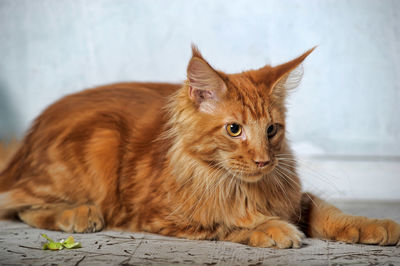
{"points": [[343, 119]]}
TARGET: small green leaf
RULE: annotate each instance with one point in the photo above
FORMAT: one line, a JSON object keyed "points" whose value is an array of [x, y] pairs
{"points": [[72, 245], [53, 246], [48, 238], [68, 243], [69, 240]]}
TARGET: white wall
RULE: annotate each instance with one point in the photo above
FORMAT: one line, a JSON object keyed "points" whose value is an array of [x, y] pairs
{"points": [[346, 107]]}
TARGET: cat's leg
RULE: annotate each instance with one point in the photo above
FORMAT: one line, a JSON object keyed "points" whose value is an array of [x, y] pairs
{"points": [[323, 220], [63, 217], [272, 233]]}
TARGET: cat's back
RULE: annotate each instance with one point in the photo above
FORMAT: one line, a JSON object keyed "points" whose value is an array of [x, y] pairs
{"points": [[128, 99], [120, 103], [120, 107], [90, 126]]}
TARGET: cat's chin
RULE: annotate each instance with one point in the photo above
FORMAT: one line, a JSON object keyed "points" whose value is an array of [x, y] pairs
{"points": [[252, 177]]}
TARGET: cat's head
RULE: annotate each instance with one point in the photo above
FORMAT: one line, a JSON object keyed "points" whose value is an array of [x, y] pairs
{"points": [[237, 122]]}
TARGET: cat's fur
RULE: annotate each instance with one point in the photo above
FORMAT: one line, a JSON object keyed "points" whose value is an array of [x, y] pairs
{"points": [[158, 158]]}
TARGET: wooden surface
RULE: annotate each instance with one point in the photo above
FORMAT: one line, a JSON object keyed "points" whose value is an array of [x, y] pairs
{"points": [[21, 244]]}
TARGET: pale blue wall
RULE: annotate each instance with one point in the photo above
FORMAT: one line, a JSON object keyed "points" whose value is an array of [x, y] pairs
{"points": [[348, 102]]}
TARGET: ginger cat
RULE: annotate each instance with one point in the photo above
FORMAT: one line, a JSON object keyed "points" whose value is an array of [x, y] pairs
{"points": [[207, 159]]}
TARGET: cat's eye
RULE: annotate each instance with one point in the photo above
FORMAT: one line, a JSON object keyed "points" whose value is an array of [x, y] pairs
{"points": [[272, 130], [234, 130]]}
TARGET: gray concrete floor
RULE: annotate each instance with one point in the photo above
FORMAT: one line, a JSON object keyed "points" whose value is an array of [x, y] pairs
{"points": [[21, 244]]}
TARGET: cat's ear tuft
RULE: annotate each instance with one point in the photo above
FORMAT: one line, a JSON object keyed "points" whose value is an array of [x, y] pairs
{"points": [[196, 52], [206, 87]]}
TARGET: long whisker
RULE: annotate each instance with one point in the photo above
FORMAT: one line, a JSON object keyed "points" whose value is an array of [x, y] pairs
{"points": [[284, 169], [284, 191], [310, 171], [287, 178]]}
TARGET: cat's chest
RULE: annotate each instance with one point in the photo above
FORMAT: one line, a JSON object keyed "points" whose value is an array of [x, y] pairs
{"points": [[247, 211]]}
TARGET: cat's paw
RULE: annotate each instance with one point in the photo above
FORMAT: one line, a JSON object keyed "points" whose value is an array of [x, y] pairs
{"points": [[370, 231], [278, 234], [82, 219]]}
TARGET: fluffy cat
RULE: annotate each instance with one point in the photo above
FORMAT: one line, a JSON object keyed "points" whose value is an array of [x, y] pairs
{"points": [[207, 159]]}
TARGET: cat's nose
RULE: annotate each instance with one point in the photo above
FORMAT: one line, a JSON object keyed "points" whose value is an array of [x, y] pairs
{"points": [[261, 163]]}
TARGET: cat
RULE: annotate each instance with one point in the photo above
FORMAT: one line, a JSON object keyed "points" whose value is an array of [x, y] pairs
{"points": [[206, 159]]}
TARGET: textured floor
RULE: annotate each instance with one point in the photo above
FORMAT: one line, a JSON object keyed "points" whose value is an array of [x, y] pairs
{"points": [[20, 244]]}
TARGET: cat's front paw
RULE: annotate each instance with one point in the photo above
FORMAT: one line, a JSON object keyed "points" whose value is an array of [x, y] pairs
{"points": [[278, 234], [370, 231], [81, 219]]}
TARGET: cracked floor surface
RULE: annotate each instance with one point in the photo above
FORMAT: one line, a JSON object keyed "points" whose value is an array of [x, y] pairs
{"points": [[21, 245]]}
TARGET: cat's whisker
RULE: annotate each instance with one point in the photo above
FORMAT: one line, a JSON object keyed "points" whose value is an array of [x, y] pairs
{"points": [[280, 170], [298, 214], [284, 169], [287, 178], [310, 172], [293, 184], [302, 163], [284, 190]]}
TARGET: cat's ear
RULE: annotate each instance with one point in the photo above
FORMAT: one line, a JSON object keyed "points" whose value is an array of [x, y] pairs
{"points": [[288, 76], [284, 77], [206, 87]]}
